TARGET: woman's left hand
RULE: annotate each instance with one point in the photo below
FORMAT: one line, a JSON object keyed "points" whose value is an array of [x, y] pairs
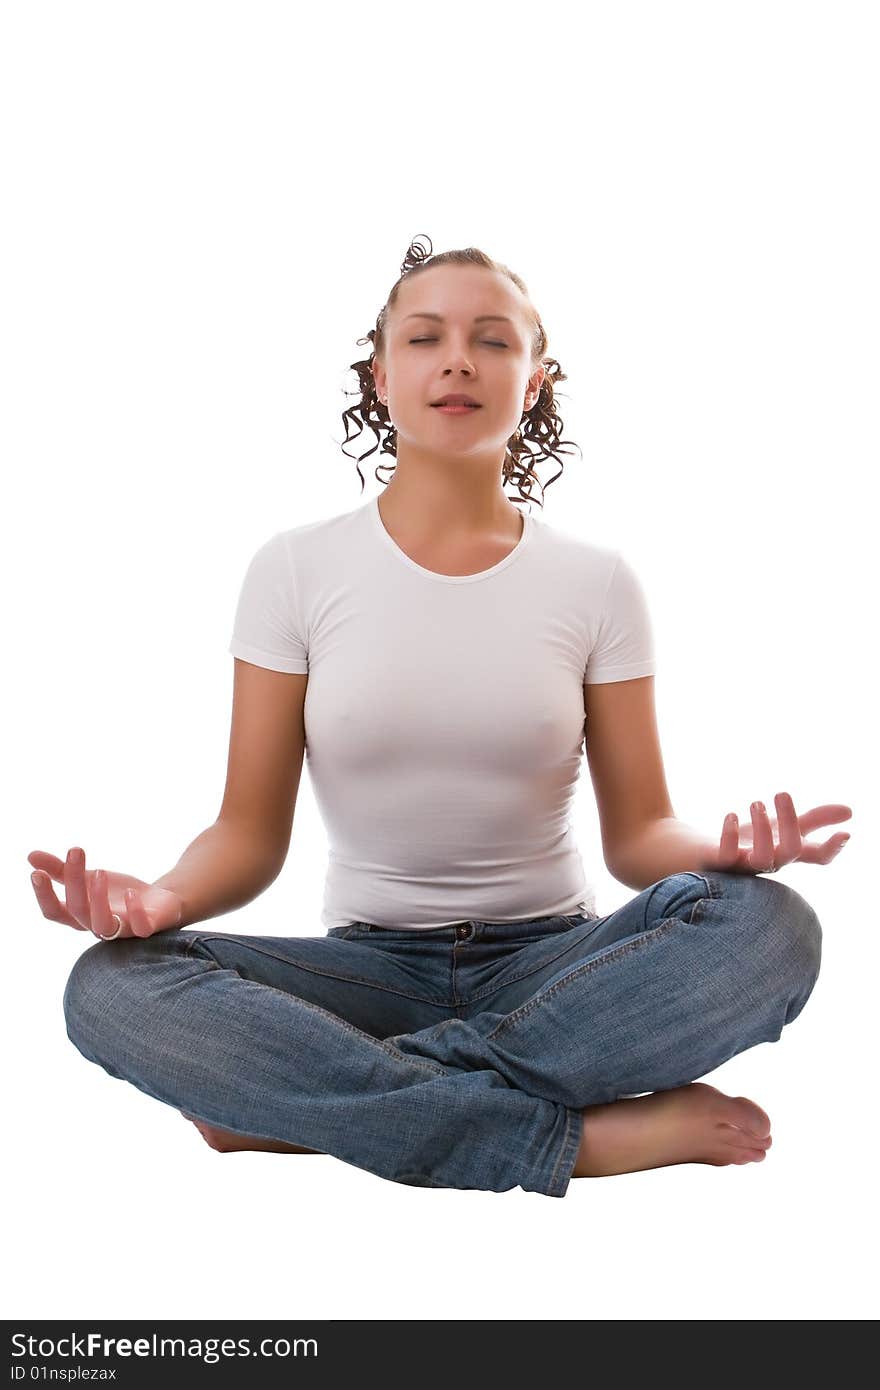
{"points": [[768, 842]]}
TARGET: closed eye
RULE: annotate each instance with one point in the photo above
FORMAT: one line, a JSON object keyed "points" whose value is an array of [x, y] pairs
{"points": [[490, 341]]}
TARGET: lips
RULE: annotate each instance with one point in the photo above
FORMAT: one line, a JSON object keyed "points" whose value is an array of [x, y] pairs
{"points": [[457, 400]]}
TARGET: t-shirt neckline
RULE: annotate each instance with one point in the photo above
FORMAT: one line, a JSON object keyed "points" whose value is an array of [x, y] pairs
{"points": [[452, 578]]}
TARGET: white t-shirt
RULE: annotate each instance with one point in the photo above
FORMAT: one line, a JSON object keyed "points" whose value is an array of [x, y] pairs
{"points": [[444, 714]]}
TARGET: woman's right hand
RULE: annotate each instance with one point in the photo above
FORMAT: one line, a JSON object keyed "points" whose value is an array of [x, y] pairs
{"points": [[92, 896]]}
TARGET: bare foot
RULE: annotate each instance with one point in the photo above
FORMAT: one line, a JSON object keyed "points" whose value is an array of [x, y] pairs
{"points": [[690, 1124], [226, 1141]]}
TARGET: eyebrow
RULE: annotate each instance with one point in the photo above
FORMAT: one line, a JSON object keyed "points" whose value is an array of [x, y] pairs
{"points": [[481, 318]]}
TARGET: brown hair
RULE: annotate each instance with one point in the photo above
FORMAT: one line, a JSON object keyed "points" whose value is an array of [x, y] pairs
{"points": [[540, 425]]}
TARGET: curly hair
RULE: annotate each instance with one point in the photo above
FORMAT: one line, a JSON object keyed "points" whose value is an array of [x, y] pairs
{"points": [[540, 426]]}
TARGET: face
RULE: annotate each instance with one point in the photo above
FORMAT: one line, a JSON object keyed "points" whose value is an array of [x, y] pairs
{"points": [[428, 357]]}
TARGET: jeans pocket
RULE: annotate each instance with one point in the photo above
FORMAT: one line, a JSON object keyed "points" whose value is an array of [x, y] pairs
{"points": [[352, 929], [576, 919]]}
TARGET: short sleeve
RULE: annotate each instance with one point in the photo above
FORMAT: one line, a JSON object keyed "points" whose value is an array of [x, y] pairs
{"points": [[624, 646], [266, 630]]}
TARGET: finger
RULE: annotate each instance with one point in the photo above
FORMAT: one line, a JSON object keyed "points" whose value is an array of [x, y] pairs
{"points": [[49, 904], [761, 856], [728, 850], [138, 920], [831, 813], [49, 863], [823, 854], [102, 920], [75, 895], [789, 831]]}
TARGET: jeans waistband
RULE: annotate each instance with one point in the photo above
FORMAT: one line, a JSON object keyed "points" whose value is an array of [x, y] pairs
{"points": [[474, 929]]}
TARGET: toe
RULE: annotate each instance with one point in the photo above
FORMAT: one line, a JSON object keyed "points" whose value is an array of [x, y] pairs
{"points": [[740, 1139], [748, 1116]]}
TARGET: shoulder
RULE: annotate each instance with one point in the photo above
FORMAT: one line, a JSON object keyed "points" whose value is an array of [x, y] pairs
{"points": [[321, 539], [587, 561]]}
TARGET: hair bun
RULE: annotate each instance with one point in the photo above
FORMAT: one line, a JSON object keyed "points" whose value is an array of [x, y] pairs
{"points": [[416, 254]]}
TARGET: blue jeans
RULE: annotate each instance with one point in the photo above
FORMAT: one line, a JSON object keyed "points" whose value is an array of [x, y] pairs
{"points": [[457, 1056]]}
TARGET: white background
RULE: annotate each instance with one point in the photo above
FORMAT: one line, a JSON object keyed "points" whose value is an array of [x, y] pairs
{"points": [[206, 205]]}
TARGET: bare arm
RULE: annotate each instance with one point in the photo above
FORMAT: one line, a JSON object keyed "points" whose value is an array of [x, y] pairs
{"points": [[662, 847], [236, 858], [224, 868], [231, 862]]}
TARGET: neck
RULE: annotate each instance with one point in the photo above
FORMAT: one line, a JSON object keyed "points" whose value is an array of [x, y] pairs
{"points": [[458, 501]]}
